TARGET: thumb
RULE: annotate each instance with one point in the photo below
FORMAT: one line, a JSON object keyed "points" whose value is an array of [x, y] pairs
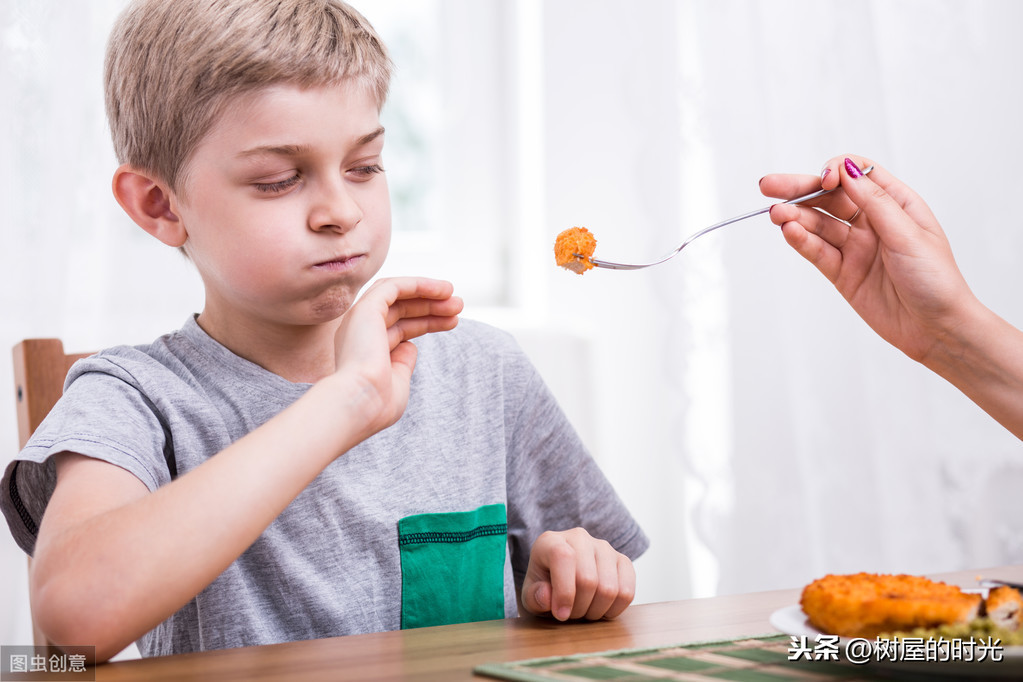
{"points": [[403, 357], [536, 595], [886, 214], [861, 188]]}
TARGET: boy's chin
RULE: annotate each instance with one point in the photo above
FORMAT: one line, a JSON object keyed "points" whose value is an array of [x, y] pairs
{"points": [[333, 304]]}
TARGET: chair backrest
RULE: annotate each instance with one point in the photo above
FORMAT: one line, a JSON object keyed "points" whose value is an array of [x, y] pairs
{"points": [[40, 366]]}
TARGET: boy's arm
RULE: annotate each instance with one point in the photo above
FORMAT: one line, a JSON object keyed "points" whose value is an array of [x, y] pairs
{"points": [[553, 483], [112, 560]]}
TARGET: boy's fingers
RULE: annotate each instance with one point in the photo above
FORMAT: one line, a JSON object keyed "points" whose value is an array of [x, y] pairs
{"points": [[552, 562], [393, 289], [586, 579], [561, 567], [412, 318], [422, 287], [423, 307], [609, 582], [407, 329], [626, 588]]}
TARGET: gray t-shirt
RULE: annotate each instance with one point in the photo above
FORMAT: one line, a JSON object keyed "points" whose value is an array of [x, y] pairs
{"points": [[481, 432]]}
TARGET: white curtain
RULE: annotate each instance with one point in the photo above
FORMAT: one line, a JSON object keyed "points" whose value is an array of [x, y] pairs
{"points": [[762, 432], [759, 431]]}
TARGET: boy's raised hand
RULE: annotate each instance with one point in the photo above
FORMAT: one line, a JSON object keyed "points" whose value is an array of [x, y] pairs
{"points": [[574, 575], [373, 347]]}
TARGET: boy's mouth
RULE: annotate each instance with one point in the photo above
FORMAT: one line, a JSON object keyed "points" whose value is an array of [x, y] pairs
{"points": [[341, 263]]}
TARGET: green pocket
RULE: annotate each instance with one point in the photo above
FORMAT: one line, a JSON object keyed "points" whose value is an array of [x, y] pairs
{"points": [[452, 566]]}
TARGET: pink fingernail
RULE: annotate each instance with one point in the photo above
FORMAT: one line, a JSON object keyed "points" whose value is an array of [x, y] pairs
{"points": [[853, 171], [825, 174]]}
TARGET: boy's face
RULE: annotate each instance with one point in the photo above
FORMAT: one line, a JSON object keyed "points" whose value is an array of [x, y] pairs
{"points": [[286, 206]]}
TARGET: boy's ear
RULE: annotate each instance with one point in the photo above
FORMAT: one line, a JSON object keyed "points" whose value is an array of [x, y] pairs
{"points": [[148, 202]]}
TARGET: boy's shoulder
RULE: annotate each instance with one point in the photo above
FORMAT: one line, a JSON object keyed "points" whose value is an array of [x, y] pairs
{"points": [[129, 358], [184, 354]]}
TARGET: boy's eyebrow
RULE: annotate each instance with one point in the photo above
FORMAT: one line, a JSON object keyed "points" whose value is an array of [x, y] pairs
{"points": [[274, 150], [296, 149], [366, 139]]}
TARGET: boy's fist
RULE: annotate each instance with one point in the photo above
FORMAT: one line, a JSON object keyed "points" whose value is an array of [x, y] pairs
{"points": [[574, 575]]}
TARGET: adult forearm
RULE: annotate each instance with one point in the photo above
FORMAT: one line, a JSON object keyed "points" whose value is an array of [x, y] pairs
{"points": [[983, 357]]}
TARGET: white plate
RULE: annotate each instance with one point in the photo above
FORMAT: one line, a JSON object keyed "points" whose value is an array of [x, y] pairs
{"points": [[792, 621]]}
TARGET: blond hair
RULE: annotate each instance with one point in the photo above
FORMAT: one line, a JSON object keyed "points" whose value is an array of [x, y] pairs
{"points": [[172, 65]]}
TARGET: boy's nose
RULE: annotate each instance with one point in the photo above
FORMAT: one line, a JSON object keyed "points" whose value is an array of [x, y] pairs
{"points": [[334, 209]]}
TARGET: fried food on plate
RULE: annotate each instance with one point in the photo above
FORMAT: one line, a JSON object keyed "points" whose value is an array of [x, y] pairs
{"points": [[573, 248], [868, 604], [1004, 607]]}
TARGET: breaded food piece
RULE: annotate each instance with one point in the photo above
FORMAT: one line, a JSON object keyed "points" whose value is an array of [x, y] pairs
{"points": [[1004, 607], [573, 248], [868, 604]]}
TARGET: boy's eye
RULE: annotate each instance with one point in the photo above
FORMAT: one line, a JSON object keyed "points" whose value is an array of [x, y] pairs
{"points": [[275, 187], [368, 171]]}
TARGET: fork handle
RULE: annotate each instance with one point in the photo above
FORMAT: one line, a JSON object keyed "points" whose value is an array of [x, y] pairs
{"points": [[639, 266], [797, 200]]}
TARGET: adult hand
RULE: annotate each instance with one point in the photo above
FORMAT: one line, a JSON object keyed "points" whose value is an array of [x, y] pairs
{"points": [[574, 575], [877, 241]]}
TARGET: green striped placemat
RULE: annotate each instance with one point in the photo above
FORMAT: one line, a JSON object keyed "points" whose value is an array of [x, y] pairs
{"points": [[751, 659]]}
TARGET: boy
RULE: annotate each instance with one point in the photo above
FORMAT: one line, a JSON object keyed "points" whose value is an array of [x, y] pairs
{"points": [[274, 470]]}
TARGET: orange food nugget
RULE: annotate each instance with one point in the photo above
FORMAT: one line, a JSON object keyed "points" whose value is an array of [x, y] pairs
{"points": [[868, 604], [573, 248], [1004, 607]]}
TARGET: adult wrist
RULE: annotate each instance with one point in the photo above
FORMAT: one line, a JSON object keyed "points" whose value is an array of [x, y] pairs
{"points": [[968, 346]]}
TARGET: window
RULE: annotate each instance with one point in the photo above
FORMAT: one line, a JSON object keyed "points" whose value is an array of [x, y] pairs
{"points": [[455, 123]]}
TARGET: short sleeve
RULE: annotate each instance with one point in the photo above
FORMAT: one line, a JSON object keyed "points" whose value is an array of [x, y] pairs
{"points": [[553, 482], [104, 415]]}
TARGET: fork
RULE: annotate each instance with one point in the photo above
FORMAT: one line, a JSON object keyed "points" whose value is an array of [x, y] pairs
{"points": [[991, 583], [639, 266]]}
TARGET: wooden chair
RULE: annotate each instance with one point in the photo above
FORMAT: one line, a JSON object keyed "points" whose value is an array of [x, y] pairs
{"points": [[40, 366]]}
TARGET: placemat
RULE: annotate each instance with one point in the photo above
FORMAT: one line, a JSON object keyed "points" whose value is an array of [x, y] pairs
{"points": [[751, 659]]}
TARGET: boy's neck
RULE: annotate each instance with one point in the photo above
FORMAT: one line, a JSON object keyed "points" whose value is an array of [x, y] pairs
{"points": [[300, 354]]}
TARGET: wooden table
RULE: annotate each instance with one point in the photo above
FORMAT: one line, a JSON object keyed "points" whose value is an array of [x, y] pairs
{"points": [[449, 653]]}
